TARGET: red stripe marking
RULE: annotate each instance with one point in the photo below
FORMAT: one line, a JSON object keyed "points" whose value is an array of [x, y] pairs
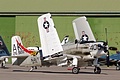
{"points": [[26, 50]]}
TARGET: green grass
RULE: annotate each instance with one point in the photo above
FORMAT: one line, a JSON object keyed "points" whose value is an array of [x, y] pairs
{"points": [[98, 26], [7, 30], [64, 26], [27, 28]]}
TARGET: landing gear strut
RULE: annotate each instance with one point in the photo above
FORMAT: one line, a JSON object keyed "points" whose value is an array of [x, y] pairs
{"points": [[32, 68], [118, 66], [97, 70], [3, 64], [75, 70]]}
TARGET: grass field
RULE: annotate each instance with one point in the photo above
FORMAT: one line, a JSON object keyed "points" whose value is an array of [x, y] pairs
{"points": [[98, 26], [7, 29], [27, 28]]}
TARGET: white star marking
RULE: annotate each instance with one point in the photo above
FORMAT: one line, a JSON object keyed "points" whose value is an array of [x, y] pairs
{"points": [[46, 24], [85, 38]]}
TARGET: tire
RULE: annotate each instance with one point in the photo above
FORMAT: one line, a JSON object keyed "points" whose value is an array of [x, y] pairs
{"points": [[3, 65], [97, 70], [75, 70], [117, 67]]}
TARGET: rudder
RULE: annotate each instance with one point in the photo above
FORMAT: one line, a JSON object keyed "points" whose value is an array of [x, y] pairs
{"points": [[15, 48]]}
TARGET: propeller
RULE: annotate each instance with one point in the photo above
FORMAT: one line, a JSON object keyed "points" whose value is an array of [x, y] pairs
{"points": [[113, 48], [107, 49], [108, 54]]}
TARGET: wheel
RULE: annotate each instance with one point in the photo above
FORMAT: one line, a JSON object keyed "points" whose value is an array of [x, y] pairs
{"points": [[3, 64], [97, 70], [117, 67], [35, 67], [31, 69], [75, 70]]}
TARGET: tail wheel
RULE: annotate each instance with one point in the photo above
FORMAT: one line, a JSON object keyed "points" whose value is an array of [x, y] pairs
{"points": [[75, 70], [97, 70]]}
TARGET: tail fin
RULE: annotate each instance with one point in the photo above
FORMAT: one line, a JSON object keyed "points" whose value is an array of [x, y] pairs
{"points": [[3, 49], [19, 52], [81, 24], [15, 48], [50, 41], [65, 40], [18, 48]]}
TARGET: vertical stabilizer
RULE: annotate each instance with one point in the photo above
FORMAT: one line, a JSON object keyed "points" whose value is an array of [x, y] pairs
{"points": [[15, 48], [3, 49]]}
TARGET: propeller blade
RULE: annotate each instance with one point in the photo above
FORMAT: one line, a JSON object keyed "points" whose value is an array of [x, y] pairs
{"points": [[106, 36], [108, 55], [107, 59], [113, 48]]}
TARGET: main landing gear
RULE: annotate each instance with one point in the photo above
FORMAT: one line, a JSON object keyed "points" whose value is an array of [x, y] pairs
{"points": [[118, 66], [75, 70], [32, 68], [97, 70], [3, 64]]}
